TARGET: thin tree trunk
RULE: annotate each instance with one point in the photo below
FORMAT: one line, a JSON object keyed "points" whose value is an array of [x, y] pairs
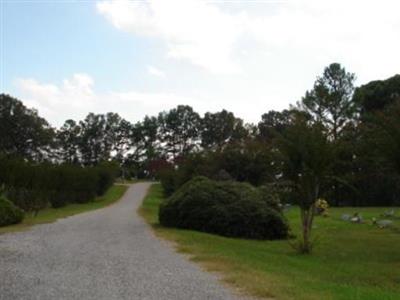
{"points": [[307, 217]]}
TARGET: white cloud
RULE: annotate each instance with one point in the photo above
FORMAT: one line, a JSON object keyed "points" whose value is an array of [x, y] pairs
{"points": [[192, 30], [76, 97], [155, 71], [211, 34], [69, 98]]}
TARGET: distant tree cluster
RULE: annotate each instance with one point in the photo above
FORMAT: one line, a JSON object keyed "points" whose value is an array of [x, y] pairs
{"points": [[23, 132]]}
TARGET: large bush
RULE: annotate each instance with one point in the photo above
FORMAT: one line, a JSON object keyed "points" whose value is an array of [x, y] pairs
{"points": [[9, 213], [270, 195], [226, 208]]}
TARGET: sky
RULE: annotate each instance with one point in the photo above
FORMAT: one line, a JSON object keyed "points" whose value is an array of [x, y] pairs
{"points": [[67, 58]]}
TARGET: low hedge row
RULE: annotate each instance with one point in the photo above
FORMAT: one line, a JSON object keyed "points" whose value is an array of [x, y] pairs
{"points": [[226, 208], [35, 186]]}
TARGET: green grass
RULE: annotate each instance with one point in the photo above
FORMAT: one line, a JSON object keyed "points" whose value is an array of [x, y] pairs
{"points": [[350, 261], [49, 215]]}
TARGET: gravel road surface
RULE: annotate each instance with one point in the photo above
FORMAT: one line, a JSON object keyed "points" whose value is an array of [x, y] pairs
{"points": [[108, 254]]}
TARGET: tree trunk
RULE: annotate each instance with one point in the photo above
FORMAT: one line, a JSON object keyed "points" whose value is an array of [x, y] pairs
{"points": [[307, 216]]}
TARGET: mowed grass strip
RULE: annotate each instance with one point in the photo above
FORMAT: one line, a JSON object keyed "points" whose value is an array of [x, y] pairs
{"points": [[49, 215], [350, 261]]}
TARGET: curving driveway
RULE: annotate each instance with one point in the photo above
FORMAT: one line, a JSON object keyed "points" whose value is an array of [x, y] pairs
{"points": [[104, 254]]}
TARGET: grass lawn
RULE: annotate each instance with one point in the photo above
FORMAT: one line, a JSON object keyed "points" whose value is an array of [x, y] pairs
{"points": [[350, 261], [49, 215]]}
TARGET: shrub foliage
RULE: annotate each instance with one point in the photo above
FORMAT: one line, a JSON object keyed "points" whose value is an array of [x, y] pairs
{"points": [[226, 208], [33, 186], [9, 213]]}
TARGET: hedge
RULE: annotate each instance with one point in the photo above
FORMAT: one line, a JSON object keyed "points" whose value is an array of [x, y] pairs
{"points": [[35, 186], [226, 208]]}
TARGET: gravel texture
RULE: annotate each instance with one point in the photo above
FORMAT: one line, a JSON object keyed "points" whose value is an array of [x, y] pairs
{"points": [[108, 254]]}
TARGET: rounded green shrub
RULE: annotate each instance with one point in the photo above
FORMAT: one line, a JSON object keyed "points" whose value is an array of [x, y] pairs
{"points": [[270, 196], [9, 213], [225, 208]]}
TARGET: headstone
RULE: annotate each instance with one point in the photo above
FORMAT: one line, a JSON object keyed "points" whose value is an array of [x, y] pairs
{"points": [[356, 218], [389, 213], [346, 217], [384, 223]]}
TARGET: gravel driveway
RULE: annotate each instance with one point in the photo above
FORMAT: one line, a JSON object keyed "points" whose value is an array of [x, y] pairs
{"points": [[104, 254]]}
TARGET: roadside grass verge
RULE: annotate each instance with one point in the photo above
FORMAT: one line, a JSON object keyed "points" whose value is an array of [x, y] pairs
{"points": [[350, 261], [50, 215]]}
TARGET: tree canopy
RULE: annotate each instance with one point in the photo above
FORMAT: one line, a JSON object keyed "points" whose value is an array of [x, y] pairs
{"points": [[23, 132]]}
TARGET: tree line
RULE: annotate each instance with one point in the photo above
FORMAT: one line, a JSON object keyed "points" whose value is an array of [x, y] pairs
{"points": [[347, 137]]}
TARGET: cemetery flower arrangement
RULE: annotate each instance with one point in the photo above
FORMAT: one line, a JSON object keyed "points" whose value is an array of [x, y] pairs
{"points": [[321, 207]]}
